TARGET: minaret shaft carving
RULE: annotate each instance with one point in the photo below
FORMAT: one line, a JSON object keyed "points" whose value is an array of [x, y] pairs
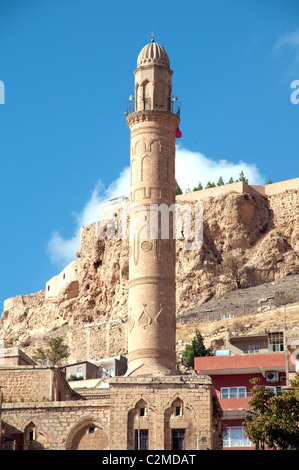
{"points": [[151, 333]]}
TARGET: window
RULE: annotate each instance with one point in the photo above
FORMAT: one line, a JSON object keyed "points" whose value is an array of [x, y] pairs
{"points": [[177, 410], [142, 412], [178, 439], [276, 390], [275, 342], [91, 430], [30, 433], [235, 437], [233, 392], [141, 439], [251, 349]]}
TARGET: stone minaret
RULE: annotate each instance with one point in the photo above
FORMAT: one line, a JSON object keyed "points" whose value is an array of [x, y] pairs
{"points": [[152, 313]]}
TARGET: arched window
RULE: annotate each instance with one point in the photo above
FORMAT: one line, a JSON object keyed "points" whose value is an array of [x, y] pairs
{"points": [[159, 94], [146, 168], [146, 96]]}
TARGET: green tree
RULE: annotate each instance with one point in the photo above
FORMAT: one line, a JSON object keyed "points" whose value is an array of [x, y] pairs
{"points": [[242, 177], [177, 189], [220, 181], [210, 185], [231, 180], [198, 188], [273, 421], [269, 181], [55, 350], [195, 349]]}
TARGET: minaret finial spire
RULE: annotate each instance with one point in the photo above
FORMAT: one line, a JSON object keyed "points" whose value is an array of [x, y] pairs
{"points": [[153, 39]]}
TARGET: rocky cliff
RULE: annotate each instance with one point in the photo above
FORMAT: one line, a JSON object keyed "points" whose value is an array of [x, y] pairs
{"points": [[248, 240]]}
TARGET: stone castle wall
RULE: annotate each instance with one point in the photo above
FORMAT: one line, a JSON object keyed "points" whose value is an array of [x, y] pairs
{"points": [[285, 206], [90, 342]]}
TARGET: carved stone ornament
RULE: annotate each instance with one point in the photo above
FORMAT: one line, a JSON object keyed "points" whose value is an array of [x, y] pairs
{"points": [[146, 245], [160, 317], [144, 319]]}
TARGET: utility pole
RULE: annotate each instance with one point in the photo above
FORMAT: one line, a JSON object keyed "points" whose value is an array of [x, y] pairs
{"points": [[285, 345]]}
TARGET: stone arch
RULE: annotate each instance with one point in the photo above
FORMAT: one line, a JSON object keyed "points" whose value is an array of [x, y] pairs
{"points": [[33, 437], [146, 168], [137, 97], [88, 434], [163, 168], [146, 96], [133, 171], [177, 417], [159, 94], [155, 144], [138, 143], [141, 424]]}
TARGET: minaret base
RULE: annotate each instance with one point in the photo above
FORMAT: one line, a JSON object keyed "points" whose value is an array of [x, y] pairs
{"points": [[152, 370]]}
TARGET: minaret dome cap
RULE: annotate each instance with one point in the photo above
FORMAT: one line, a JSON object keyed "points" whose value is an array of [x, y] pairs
{"points": [[153, 53]]}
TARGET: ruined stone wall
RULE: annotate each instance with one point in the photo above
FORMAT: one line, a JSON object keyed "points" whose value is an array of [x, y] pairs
{"points": [[285, 207], [98, 341], [89, 342]]}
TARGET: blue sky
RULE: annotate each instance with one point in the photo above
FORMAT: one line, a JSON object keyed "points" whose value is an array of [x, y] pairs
{"points": [[67, 69]]}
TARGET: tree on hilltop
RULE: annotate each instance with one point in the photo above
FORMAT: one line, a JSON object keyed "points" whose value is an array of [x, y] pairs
{"points": [[178, 190]]}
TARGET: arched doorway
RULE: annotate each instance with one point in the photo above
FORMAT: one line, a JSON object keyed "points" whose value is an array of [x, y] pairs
{"points": [[88, 435]]}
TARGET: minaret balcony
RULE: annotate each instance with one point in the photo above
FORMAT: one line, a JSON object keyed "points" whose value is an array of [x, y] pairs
{"points": [[173, 106]]}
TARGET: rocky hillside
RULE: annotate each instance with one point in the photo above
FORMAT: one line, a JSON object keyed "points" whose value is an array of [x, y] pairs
{"points": [[247, 241]]}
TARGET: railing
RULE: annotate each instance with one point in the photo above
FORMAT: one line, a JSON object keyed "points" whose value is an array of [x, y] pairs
{"points": [[174, 106], [130, 108], [230, 442]]}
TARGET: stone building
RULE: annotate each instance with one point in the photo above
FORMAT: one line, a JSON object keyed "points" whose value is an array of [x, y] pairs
{"points": [[151, 406]]}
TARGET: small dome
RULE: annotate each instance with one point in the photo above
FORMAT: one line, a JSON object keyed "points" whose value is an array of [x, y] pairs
{"points": [[153, 53]]}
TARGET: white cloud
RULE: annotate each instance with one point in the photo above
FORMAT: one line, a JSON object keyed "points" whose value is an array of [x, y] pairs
{"points": [[62, 250], [291, 41], [194, 167], [191, 168]]}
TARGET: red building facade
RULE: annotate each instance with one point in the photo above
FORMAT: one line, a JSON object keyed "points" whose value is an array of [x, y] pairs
{"points": [[231, 377]]}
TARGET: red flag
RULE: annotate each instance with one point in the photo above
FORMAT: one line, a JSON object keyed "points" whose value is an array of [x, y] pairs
{"points": [[178, 133]]}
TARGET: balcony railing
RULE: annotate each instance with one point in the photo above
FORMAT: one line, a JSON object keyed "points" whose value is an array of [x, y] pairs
{"points": [[174, 106], [229, 442]]}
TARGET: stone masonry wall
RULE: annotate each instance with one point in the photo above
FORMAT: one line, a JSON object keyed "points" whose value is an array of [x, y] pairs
{"points": [[58, 426], [160, 397], [30, 383], [90, 342]]}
